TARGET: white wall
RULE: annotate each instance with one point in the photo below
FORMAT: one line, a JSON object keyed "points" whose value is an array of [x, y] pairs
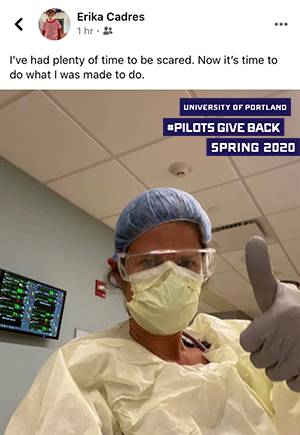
{"points": [[44, 237]]}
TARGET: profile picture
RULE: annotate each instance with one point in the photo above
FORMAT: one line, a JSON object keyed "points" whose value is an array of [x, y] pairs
{"points": [[54, 24]]}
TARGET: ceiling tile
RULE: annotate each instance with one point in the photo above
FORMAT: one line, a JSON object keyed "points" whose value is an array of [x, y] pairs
{"points": [[286, 224], [205, 308], [278, 189], [249, 165], [234, 289], [111, 222], [101, 191], [122, 120], [222, 266], [39, 139], [282, 271], [293, 249], [237, 258], [213, 300], [6, 95], [233, 201], [248, 305], [151, 164], [235, 93], [234, 238], [244, 273], [227, 283], [277, 255], [285, 271]]}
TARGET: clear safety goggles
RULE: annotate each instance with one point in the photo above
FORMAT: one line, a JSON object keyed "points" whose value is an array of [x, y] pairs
{"points": [[200, 261]]}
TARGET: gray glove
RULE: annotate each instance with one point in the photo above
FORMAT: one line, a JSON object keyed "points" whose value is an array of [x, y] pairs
{"points": [[273, 338]]}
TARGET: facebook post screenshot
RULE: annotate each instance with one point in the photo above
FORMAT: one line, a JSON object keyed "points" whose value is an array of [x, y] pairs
{"points": [[149, 225]]}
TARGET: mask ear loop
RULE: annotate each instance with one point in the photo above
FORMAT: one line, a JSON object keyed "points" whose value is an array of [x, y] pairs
{"points": [[125, 306], [122, 270]]}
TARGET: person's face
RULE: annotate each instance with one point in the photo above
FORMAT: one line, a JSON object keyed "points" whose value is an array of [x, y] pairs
{"points": [[50, 15], [172, 235]]}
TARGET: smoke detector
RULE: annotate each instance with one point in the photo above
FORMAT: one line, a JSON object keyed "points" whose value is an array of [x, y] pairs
{"points": [[180, 169]]}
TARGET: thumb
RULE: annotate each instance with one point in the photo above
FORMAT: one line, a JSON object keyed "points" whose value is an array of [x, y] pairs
{"points": [[260, 273]]}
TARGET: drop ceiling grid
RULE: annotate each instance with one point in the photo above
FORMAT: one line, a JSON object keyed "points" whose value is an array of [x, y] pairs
{"points": [[133, 171], [111, 157], [286, 224], [251, 165], [293, 248], [234, 288], [111, 221], [264, 216], [152, 164], [235, 262], [277, 189], [136, 116], [237, 258], [158, 150], [112, 214], [7, 97], [280, 262], [222, 265], [124, 160], [237, 93], [100, 191], [146, 185], [206, 308], [42, 141], [233, 201]]}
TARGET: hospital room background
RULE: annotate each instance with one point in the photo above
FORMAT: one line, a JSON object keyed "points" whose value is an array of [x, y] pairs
{"points": [[69, 163]]}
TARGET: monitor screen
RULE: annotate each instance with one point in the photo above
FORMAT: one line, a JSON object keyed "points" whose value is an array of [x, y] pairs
{"points": [[30, 306]]}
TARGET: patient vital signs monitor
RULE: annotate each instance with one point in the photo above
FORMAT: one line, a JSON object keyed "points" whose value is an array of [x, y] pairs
{"points": [[30, 306]]}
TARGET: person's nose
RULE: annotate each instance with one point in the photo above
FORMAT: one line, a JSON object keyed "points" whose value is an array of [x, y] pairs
{"points": [[169, 257]]}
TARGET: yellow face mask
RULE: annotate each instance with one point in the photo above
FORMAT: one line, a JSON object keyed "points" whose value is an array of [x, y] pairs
{"points": [[165, 298]]}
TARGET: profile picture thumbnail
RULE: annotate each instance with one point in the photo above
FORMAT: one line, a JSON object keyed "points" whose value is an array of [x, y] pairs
{"points": [[54, 24]]}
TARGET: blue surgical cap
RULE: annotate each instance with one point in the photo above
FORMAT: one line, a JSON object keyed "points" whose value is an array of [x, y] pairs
{"points": [[155, 207]]}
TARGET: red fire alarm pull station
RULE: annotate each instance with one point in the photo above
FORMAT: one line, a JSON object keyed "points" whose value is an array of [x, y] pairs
{"points": [[100, 289]]}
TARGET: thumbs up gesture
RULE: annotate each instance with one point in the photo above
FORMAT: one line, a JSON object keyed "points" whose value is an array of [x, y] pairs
{"points": [[273, 338]]}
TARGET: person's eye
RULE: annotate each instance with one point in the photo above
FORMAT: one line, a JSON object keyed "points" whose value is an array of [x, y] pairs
{"points": [[148, 263], [188, 264]]}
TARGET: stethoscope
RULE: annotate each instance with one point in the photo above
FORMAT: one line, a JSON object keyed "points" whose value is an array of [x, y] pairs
{"points": [[195, 341]]}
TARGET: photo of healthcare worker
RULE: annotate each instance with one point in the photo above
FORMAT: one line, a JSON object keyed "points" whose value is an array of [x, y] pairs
{"points": [[199, 330]]}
